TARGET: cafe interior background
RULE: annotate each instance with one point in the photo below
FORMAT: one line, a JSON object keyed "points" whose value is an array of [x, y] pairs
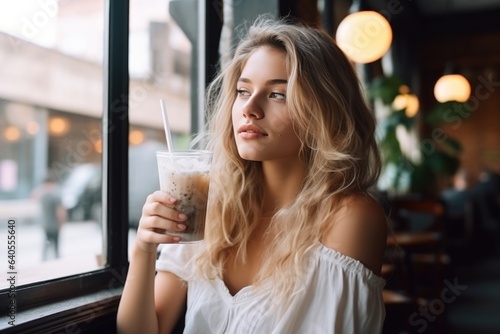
{"points": [[441, 150]]}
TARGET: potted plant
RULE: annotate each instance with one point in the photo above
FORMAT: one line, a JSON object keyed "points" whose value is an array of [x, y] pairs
{"points": [[433, 154]]}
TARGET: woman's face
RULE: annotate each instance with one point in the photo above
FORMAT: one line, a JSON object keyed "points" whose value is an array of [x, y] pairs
{"points": [[261, 122]]}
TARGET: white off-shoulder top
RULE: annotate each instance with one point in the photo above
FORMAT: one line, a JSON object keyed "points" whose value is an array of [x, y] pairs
{"points": [[340, 295]]}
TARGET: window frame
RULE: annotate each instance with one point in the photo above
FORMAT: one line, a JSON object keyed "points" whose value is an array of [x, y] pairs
{"points": [[108, 281], [88, 302]]}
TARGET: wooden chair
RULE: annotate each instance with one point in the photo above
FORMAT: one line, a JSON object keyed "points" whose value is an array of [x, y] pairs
{"points": [[419, 234]]}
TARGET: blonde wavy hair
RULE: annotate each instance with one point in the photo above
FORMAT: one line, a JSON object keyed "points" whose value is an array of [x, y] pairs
{"points": [[336, 129]]}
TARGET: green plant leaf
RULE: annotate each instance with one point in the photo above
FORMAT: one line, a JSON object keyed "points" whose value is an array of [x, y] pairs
{"points": [[442, 164], [422, 179], [386, 88], [446, 112], [452, 146]]}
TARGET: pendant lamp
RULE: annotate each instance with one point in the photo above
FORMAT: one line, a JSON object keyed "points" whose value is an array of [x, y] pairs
{"points": [[364, 36], [452, 87]]}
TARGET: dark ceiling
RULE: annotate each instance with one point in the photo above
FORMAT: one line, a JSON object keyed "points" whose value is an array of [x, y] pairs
{"points": [[438, 7], [442, 18]]}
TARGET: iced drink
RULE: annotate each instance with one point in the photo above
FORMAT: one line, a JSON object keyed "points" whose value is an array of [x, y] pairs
{"points": [[185, 176]]}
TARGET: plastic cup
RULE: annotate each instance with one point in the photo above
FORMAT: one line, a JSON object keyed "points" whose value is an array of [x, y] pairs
{"points": [[185, 176]]}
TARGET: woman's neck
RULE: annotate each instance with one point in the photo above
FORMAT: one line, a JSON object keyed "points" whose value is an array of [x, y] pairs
{"points": [[283, 181]]}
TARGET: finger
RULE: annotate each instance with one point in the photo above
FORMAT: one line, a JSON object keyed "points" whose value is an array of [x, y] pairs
{"points": [[160, 225], [153, 238], [162, 197], [163, 211]]}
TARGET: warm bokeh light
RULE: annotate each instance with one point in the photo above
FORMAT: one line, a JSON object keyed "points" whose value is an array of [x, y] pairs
{"points": [[98, 146], [12, 133], [136, 137], [58, 126], [405, 100], [32, 128], [452, 87], [364, 36]]}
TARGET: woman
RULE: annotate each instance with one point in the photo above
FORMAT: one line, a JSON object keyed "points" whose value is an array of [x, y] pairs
{"points": [[294, 242]]}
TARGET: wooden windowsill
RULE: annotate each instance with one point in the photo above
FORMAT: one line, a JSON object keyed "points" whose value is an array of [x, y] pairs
{"points": [[70, 315]]}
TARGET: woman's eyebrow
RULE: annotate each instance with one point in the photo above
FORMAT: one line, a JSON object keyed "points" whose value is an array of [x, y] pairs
{"points": [[268, 82]]}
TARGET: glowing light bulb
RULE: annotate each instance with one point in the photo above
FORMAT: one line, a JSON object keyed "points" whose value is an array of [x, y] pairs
{"points": [[364, 36], [452, 87]]}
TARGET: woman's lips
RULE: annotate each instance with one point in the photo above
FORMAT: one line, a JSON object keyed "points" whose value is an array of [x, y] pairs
{"points": [[250, 131]]}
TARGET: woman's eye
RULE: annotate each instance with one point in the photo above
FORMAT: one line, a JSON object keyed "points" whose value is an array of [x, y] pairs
{"points": [[278, 96], [242, 92]]}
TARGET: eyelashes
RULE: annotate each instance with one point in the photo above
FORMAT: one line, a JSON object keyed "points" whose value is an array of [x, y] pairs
{"points": [[279, 96], [242, 92], [272, 95]]}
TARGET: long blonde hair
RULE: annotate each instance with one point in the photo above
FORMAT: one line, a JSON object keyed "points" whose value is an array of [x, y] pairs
{"points": [[336, 129]]}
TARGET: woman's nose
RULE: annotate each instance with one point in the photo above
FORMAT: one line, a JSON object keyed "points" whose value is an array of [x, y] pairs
{"points": [[252, 109]]}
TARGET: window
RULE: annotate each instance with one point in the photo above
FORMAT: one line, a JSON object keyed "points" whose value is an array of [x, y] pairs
{"points": [[80, 103], [51, 104], [59, 118]]}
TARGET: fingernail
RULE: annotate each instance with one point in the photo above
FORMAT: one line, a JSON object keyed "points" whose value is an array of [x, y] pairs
{"points": [[182, 216], [177, 239], [181, 226]]}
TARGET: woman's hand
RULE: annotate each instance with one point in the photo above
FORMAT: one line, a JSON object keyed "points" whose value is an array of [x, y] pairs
{"points": [[159, 215]]}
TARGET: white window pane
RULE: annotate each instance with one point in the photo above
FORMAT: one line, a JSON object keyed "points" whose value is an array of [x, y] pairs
{"points": [[51, 100]]}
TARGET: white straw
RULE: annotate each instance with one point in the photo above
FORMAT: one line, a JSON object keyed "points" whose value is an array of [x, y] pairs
{"points": [[168, 136]]}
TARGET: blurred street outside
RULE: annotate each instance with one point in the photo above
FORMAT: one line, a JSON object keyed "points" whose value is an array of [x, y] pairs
{"points": [[80, 243]]}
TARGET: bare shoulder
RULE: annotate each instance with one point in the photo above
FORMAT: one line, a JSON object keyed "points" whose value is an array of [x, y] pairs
{"points": [[358, 229]]}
